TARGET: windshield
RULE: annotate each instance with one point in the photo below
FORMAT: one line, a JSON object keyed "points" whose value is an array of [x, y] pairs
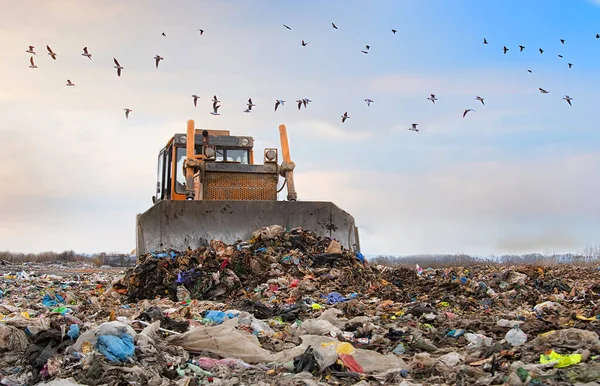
{"points": [[233, 155]]}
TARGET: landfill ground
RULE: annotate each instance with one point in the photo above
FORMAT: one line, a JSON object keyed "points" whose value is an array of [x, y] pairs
{"points": [[290, 308]]}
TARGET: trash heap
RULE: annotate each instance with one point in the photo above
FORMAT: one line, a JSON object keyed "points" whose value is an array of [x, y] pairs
{"points": [[290, 308]]}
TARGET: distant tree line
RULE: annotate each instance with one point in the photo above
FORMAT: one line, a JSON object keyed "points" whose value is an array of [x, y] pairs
{"points": [[590, 255], [100, 259]]}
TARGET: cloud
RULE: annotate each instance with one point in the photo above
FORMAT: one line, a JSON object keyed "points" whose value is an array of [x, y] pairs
{"points": [[321, 130], [472, 207], [473, 82]]}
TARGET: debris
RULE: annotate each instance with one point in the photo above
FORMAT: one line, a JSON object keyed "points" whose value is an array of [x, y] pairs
{"points": [[288, 306]]}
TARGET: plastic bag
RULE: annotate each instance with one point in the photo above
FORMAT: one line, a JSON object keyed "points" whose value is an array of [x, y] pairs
{"points": [[218, 316], [325, 355], [228, 342], [570, 338], [261, 328], [318, 327], [516, 337], [477, 340], [561, 360], [116, 348], [73, 331], [331, 315]]}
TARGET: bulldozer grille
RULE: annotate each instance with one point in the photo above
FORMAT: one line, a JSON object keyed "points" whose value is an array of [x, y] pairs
{"points": [[240, 186]]}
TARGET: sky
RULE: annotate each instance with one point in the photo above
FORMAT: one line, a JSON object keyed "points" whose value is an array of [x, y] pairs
{"points": [[517, 175]]}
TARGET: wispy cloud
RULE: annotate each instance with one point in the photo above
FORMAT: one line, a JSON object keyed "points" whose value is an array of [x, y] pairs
{"points": [[472, 82], [489, 199]]}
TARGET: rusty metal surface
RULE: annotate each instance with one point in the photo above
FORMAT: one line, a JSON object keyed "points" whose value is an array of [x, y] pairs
{"points": [[239, 186], [182, 224]]}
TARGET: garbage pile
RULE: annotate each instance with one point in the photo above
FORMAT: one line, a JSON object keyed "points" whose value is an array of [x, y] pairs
{"points": [[290, 308]]}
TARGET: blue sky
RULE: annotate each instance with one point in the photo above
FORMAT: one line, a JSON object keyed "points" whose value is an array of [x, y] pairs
{"points": [[517, 175]]}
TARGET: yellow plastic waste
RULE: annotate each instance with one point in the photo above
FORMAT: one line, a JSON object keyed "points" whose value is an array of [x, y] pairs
{"points": [[86, 348], [444, 304], [316, 306], [581, 317], [344, 348], [25, 314], [562, 360], [341, 348]]}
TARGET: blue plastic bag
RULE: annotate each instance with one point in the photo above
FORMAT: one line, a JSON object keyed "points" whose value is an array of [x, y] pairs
{"points": [[360, 257], [336, 297], [73, 331], [49, 302], [219, 316], [115, 348]]}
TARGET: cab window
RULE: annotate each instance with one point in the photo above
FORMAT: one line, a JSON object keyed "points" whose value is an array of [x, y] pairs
{"points": [[179, 172]]}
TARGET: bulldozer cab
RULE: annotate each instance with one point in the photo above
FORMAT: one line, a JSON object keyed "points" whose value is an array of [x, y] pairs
{"points": [[222, 168]]}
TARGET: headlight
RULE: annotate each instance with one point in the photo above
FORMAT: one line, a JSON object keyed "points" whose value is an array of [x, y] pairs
{"points": [[209, 152], [245, 142], [270, 155]]}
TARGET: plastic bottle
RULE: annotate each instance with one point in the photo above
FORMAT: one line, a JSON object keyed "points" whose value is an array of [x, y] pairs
{"points": [[515, 336]]}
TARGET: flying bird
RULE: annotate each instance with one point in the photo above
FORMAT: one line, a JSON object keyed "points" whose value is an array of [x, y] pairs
{"points": [[250, 104], [118, 66], [521, 48], [480, 99], [196, 97], [344, 117], [303, 43], [286, 26], [368, 47], [215, 100], [568, 99], [299, 101], [215, 108], [505, 49], [86, 53], [570, 65], [368, 101], [52, 54], [30, 50], [562, 41], [201, 32], [529, 71], [414, 127], [364, 52], [541, 51], [432, 98], [127, 111], [394, 31], [466, 111], [597, 36], [542, 90], [278, 102], [334, 26], [69, 83], [485, 41], [32, 65], [164, 34], [158, 58], [560, 56], [305, 101]]}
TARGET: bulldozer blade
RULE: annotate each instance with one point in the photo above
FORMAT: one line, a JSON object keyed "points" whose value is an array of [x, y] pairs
{"points": [[193, 223]]}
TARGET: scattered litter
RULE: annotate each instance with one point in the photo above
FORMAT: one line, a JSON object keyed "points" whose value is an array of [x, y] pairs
{"points": [[288, 307]]}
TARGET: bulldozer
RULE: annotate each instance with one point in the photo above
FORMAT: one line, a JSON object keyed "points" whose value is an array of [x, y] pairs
{"points": [[209, 187]]}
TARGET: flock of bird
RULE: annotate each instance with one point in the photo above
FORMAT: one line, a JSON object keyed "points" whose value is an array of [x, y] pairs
{"points": [[279, 102]]}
